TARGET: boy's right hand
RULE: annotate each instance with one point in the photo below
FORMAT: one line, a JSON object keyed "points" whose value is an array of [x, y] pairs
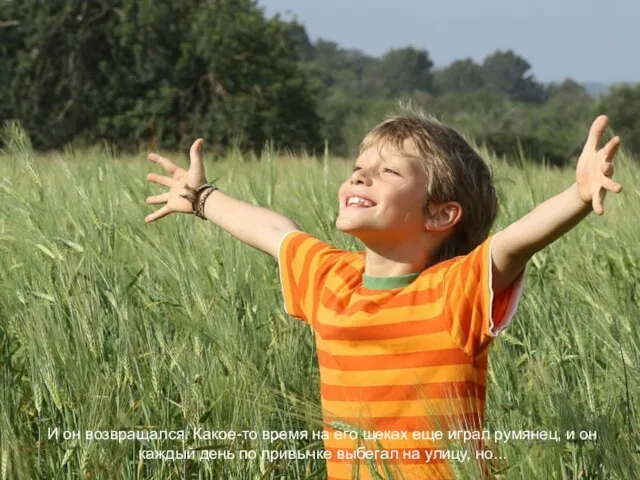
{"points": [[194, 177]]}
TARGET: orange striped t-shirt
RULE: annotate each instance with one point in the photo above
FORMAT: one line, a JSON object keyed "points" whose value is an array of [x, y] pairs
{"points": [[399, 354]]}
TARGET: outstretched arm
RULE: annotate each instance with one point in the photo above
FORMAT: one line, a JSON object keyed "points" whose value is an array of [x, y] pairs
{"points": [[256, 226], [516, 244]]}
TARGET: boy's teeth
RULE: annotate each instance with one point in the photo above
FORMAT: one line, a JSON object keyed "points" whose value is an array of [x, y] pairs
{"points": [[359, 201]]}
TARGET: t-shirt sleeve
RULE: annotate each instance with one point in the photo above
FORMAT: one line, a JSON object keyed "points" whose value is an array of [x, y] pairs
{"points": [[473, 313], [304, 263]]}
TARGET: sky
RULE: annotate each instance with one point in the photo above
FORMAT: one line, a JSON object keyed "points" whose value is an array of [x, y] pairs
{"points": [[585, 40]]}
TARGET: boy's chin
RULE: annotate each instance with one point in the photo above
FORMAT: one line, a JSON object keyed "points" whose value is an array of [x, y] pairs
{"points": [[358, 231], [347, 227]]}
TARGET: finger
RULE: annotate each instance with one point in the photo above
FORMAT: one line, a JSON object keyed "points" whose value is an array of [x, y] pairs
{"points": [[611, 148], [165, 163], [611, 185], [155, 199], [161, 212], [196, 152], [607, 169], [598, 198], [595, 133], [160, 179]]}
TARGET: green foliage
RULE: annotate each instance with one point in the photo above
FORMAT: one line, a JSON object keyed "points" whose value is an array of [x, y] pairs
{"points": [[157, 74], [460, 77], [506, 72], [499, 103], [622, 105], [110, 324], [404, 70]]}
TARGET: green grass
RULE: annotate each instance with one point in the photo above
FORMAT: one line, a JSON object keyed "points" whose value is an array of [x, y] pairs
{"points": [[107, 323]]}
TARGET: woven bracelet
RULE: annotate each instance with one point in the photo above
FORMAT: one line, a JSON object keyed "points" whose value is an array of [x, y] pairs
{"points": [[199, 211]]}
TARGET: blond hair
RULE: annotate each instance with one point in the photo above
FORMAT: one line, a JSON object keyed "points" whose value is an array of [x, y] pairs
{"points": [[455, 172]]}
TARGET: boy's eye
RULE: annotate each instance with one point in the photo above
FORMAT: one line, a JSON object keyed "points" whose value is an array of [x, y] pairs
{"points": [[384, 170]]}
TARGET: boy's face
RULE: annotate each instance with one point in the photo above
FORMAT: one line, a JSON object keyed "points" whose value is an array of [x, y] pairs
{"points": [[395, 186]]}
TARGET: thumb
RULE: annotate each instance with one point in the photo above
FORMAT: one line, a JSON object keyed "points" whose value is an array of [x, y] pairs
{"points": [[196, 153]]}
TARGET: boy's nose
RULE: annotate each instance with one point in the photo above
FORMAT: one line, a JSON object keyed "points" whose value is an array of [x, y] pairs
{"points": [[359, 177]]}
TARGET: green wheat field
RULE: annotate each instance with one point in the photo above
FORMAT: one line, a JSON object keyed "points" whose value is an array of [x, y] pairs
{"points": [[107, 323]]}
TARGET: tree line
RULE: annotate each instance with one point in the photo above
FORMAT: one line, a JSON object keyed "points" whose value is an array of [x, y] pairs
{"points": [[149, 74]]}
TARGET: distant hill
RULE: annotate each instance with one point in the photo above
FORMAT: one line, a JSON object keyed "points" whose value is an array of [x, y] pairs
{"points": [[596, 89]]}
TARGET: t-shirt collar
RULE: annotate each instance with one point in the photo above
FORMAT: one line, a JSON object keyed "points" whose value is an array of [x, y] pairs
{"points": [[385, 283]]}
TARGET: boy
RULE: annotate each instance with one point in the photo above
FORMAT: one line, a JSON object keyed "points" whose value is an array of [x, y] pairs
{"points": [[403, 328]]}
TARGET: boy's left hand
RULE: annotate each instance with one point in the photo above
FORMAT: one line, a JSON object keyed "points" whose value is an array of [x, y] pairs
{"points": [[595, 167]]}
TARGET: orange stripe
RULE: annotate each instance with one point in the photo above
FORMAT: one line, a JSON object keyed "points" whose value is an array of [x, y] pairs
{"points": [[347, 276], [372, 442], [403, 392], [453, 356], [289, 287], [354, 268], [476, 289], [394, 441], [463, 318], [434, 406], [379, 332], [345, 471], [338, 303], [421, 460], [424, 290], [389, 316], [466, 298], [428, 278], [447, 373], [418, 343], [412, 423], [307, 274]]}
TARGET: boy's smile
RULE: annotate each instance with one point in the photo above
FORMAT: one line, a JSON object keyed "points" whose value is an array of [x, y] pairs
{"points": [[359, 201], [384, 197]]}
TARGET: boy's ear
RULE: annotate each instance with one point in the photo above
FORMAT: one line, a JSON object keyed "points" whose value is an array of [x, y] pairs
{"points": [[441, 217]]}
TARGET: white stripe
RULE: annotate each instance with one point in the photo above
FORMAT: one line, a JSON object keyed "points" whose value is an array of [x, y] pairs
{"points": [[513, 301]]}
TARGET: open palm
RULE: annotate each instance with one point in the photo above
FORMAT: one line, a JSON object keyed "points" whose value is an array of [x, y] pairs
{"points": [[194, 177], [595, 167]]}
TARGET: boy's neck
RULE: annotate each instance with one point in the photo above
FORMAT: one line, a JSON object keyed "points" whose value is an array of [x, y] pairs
{"points": [[395, 261]]}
